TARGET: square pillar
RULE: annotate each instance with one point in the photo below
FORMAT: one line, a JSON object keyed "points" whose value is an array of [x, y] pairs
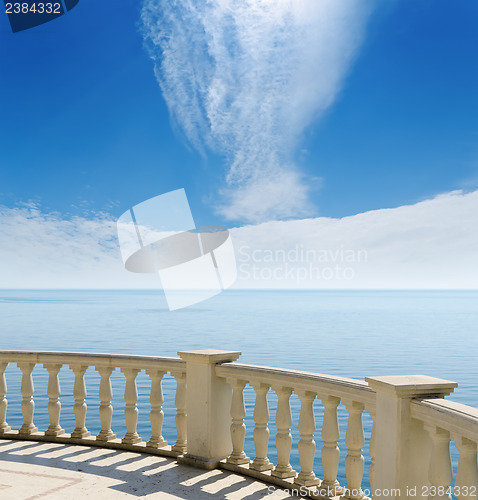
{"points": [[402, 445], [208, 404]]}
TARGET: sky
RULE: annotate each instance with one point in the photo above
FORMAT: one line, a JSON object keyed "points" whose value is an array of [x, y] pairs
{"points": [[262, 111]]}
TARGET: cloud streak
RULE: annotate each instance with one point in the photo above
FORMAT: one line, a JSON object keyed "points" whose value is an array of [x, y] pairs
{"points": [[245, 78], [47, 250]]}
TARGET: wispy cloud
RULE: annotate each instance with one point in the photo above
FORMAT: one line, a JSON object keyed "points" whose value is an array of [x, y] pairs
{"points": [[245, 78], [48, 250]]}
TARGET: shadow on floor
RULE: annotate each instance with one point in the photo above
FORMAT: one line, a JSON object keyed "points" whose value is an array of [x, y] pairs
{"points": [[110, 473]]}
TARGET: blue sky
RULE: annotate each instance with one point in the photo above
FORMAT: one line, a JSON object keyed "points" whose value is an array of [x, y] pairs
{"points": [[85, 127]]}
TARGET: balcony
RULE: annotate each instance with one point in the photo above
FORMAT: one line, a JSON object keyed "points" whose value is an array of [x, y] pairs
{"points": [[409, 443]]}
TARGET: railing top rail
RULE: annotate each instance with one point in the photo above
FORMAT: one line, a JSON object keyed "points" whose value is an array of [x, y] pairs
{"points": [[95, 359], [347, 389], [457, 418]]}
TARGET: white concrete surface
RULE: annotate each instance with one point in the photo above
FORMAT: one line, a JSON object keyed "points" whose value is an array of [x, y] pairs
{"points": [[31, 470]]}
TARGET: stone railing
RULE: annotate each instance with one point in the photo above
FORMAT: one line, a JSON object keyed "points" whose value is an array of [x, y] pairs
{"points": [[355, 395], [445, 421], [409, 444], [104, 364]]}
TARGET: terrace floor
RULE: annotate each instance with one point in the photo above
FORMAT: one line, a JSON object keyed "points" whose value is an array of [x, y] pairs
{"points": [[31, 470]]}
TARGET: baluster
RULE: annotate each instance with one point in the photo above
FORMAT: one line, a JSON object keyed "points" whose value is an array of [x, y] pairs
{"points": [[106, 410], [54, 405], [180, 445], [156, 414], [371, 450], [466, 481], [440, 472], [354, 461], [131, 409], [28, 405], [330, 451], [238, 429], [79, 408], [283, 469], [261, 431], [4, 427], [306, 445]]}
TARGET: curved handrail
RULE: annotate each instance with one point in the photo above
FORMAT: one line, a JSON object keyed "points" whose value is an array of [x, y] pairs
{"points": [[105, 364], [457, 418], [97, 359], [443, 420], [341, 387]]}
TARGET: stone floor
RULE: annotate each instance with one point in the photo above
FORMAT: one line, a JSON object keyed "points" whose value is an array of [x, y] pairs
{"points": [[30, 470]]}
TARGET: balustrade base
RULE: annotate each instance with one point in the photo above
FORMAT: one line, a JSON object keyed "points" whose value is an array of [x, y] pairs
{"points": [[131, 439], [27, 430], [57, 431], [156, 443], [5, 428], [267, 477], [199, 462], [331, 490], [105, 436], [80, 434], [261, 465], [283, 472], [307, 481], [239, 459], [66, 438], [179, 449]]}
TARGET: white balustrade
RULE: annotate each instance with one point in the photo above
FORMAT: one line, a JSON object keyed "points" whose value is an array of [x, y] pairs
{"points": [[466, 481], [238, 428], [283, 469], [180, 445], [156, 414], [440, 473], [409, 413], [79, 363], [261, 432], [371, 450], [54, 405], [354, 461], [306, 444], [106, 410], [330, 449], [4, 427], [79, 408], [131, 409], [28, 405]]}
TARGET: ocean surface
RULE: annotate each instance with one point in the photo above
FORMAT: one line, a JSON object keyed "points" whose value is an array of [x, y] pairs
{"points": [[346, 333]]}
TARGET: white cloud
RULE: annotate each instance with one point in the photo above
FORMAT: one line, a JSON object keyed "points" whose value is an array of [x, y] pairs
{"points": [[245, 78], [432, 244], [39, 250]]}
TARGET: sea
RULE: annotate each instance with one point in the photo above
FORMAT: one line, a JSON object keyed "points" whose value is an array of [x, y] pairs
{"points": [[346, 333]]}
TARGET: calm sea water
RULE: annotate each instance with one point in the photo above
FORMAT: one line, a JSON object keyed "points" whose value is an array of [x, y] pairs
{"points": [[353, 333]]}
